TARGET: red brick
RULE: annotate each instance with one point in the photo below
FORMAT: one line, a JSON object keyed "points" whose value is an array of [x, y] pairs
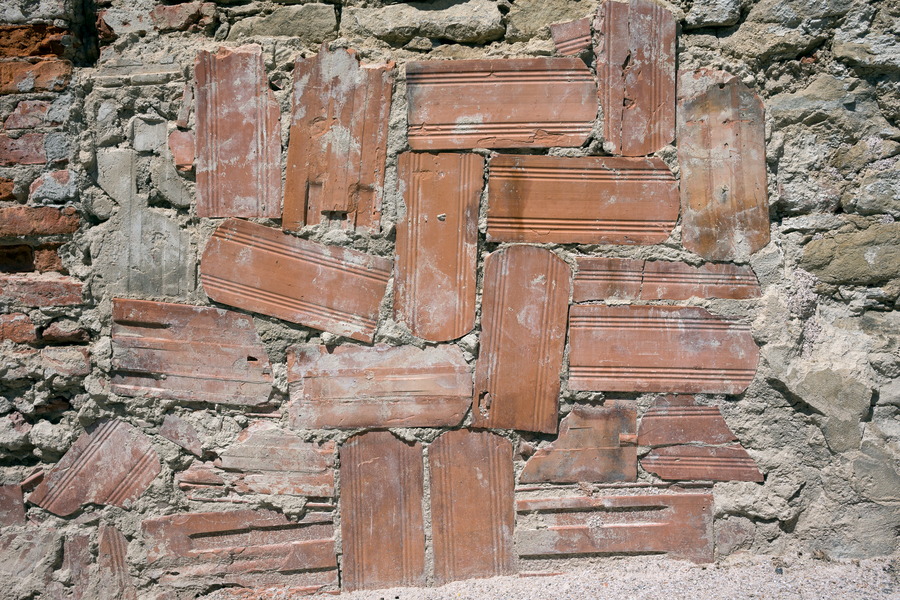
{"points": [[47, 259], [707, 463], [181, 432], [28, 114], [27, 149], [573, 37], [20, 77], [12, 506], [182, 147], [6, 189], [61, 332], [18, 328], [71, 361], [680, 420], [31, 40], [181, 17], [18, 258], [40, 290], [111, 463], [17, 221]]}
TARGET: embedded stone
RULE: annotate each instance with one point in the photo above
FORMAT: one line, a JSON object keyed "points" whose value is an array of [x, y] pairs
{"points": [[181, 145], [55, 187], [71, 361], [466, 22], [312, 23], [710, 463]]}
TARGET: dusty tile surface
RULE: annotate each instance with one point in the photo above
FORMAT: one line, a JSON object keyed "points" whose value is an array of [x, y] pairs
{"points": [[573, 37], [181, 432], [711, 463], [437, 244], [12, 507], [114, 580], [678, 419], [601, 278]]}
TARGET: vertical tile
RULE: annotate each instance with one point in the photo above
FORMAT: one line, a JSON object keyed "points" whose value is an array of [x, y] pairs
{"points": [[708, 463], [113, 578], [12, 507]]}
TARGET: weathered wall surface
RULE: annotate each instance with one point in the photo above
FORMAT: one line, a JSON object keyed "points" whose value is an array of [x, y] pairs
{"points": [[156, 451]]}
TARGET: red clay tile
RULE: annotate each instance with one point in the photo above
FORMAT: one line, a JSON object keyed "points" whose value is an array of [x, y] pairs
{"points": [[191, 353], [382, 386], [573, 37], [17, 328], [68, 361], [183, 149], [658, 349], [264, 270], [472, 510], [338, 143], [722, 155], [709, 463], [113, 577], [27, 149], [594, 444], [238, 135], [61, 332], [526, 293], [78, 560], [588, 200], [31, 40], [635, 50], [437, 244], [12, 507], [680, 525], [28, 220], [28, 114], [382, 527], [19, 76], [500, 103], [180, 432], [111, 463], [600, 278], [680, 420]]}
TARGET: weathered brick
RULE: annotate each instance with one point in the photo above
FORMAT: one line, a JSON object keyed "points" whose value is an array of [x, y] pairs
{"points": [[182, 147], [70, 361], [31, 40], [63, 332], [18, 258], [19, 76], [27, 149], [28, 114], [12, 507], [181, 17], [47, 259], [18, 328], [6, 189], [27, 220], [40, 290]]}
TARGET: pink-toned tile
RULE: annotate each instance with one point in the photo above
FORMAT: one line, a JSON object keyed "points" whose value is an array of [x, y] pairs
{"points": [[178, 431], [680, 420], [710, 463], [573, 37], [600, 278]]}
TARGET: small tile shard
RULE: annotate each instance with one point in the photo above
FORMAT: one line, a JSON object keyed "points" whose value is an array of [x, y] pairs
{"points": [[587, 200], [635, 49], [437, 244], [382, 386], [238, 135], [12, 507], [573, 37], [594, 445], [180, 432], [189, 353], [111, 463], [658, 349], [526, 295], [500, 103], [261, 269], [113, 580], [709, 463], [338, 140], [722, 156], [678, 419], [382, 524]]}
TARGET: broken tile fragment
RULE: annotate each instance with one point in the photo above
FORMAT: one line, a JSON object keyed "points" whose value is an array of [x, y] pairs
{"points": [[678, 524], [113, 579], [12, 508], [178, 431], [594, 444], [472, 505], [183, 149], [658, 349], [238, 135], [189, 353], [721, 153], [678, 419], [526, 295], [382, 526], [573, 37], [710, 463], [437, 244], [500, 103], [258, 268], [111, 463], [338, 140], [635, 58], [381, 386], [587, 200], [28, 561]]}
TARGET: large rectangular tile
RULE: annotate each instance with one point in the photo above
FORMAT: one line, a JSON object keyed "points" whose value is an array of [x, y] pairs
{"points": [[658, 349], [381, 386], [437, 244], [261, 269], [500, 103], [586, 200]]}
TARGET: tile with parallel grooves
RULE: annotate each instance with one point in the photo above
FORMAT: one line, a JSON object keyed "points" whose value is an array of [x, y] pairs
{"points": [[238, 138], [472, 505], [437, 244], [658, 349], [707, 463], [678, 419], [526, 293], [722, 157], [263, 270], [338, 140], [382, 526], [111, 463], [586, 200], [189, 353], [634, 47], [595, 444], [380, 386], [678, 524], [500, 103], [114, 580], [600, 278], [573, 37]]}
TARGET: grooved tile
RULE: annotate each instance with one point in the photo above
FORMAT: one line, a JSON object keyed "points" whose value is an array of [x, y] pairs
{"points": [[658, 349], [437, 244], [382, 526], [586, 200], [594, 444], [526, 292], [261, 269], [601, 278], [238, 135], [111, 463], [190, 353], [500, 103], [678, 524], [722, 156], [635, 50], [338, 140], [381, 386], [572, 37], [472, 509], [710, 463], [680, 420], [113, 577]]}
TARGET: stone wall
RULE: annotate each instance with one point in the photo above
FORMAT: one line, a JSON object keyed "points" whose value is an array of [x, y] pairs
{"points": [[284, 290]]}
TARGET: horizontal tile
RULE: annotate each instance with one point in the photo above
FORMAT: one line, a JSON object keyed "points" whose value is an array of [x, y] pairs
{"points": [[680, 420], [709, 463], [573, 37]]}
